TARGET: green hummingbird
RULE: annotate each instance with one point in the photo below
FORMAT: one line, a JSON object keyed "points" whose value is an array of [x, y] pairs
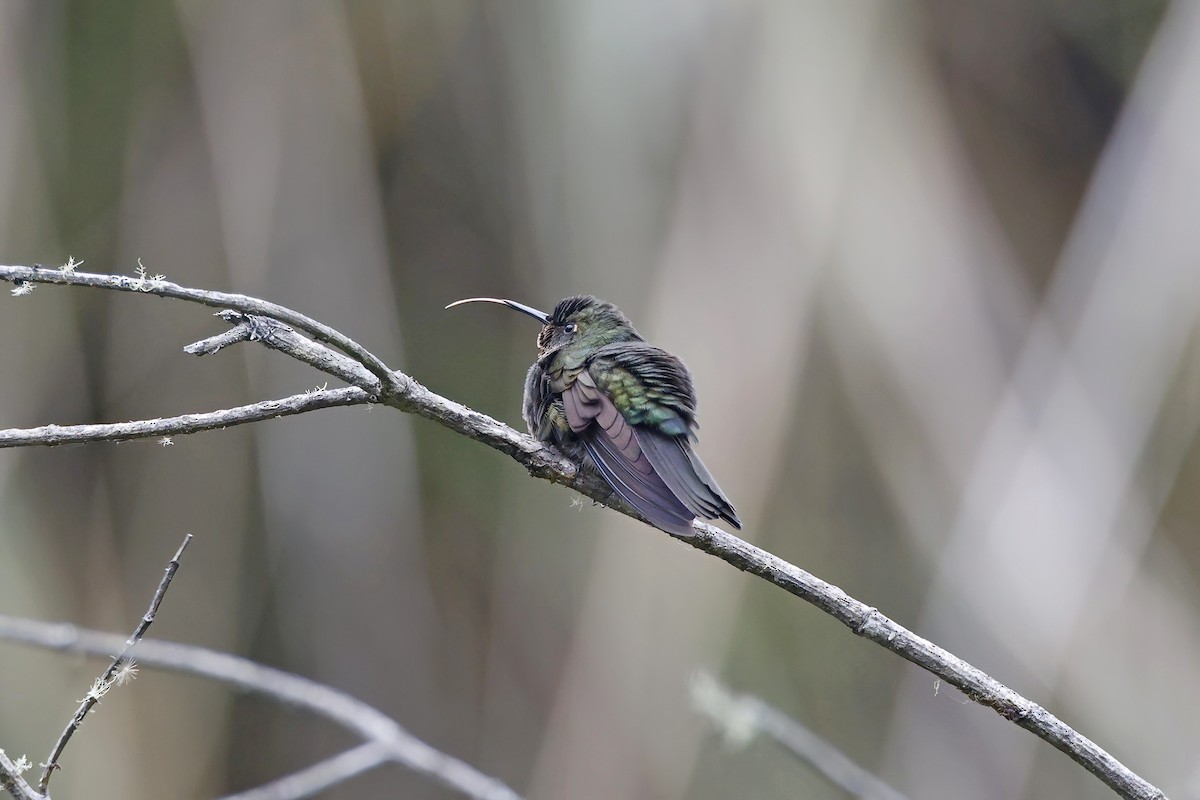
{"points": [[606, 399]]}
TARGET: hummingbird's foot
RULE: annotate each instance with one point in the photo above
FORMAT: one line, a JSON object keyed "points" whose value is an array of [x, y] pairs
{"points": [[586, 466]]}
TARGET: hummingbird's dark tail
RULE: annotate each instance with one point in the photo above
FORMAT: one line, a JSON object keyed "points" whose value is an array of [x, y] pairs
{"points": [[686, 476]]}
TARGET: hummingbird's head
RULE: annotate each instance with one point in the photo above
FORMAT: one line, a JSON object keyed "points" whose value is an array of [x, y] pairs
{"points": [[577, 326], [582, 324]]}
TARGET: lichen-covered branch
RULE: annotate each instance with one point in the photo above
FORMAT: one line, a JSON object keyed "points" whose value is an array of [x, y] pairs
{"points": [[12, 782], [403, 393], [157, 286]]}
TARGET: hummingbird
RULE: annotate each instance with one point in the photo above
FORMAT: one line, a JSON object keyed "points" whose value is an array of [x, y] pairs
{"points": [[605, 398]]}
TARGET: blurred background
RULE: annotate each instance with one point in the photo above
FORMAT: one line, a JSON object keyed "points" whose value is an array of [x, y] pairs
{"points": [[935, 267]]}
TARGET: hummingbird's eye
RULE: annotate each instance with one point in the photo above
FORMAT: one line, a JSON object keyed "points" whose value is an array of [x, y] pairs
{"points": [[569, 327]]}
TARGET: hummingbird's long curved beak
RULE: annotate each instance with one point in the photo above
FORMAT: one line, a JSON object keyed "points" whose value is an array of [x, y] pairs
{"points": [[540, 316]]}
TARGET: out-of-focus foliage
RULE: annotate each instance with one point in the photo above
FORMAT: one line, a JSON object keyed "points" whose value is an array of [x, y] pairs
{"points": [[936, 269]]}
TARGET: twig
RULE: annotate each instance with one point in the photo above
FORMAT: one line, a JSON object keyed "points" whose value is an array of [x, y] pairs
{"points": [[12, 782], [407, 395], [354, 715], [51, 435], [320, 776], [214, 344], [742, 716], [277, 336], [120, 666]]}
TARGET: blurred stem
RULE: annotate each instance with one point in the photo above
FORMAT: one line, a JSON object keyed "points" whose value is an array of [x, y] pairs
{"points": [[320, 776], [283, 687], [741, 717]]}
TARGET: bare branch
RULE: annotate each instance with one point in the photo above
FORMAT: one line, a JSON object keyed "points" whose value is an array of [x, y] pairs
{"points": [[51, 435], [366, 721], [215, 343], [320, 776], [239, 302], [112, 676], [13, 783], [404, 393], [741, 717]]}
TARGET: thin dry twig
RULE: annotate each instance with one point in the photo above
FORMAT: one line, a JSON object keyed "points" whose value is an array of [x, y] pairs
{"points": [[277, 336], [120, 666], [405, 394], [741, 717], [356, 716], [53, 435]]}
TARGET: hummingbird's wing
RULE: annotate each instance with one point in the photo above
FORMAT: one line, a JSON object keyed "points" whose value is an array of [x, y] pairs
{"points": [[614, 448], [653, 391], [634, 409]]}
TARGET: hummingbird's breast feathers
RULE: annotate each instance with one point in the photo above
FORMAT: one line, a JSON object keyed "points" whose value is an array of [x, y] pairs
{"points": [[562, 370]]}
